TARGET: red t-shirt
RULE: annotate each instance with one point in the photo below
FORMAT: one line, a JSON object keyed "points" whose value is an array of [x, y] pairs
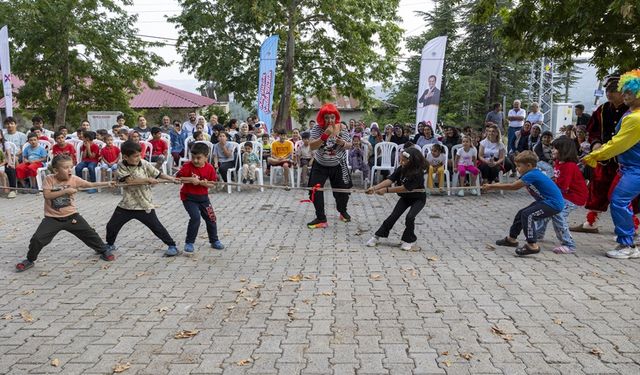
{"points": [[206, 172], [110, 154], [67, 149], [95, 150], [571, 182], [159, 146]]}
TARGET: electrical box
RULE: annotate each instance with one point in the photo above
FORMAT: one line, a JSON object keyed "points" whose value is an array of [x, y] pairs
{"points": [[562, 115], [103, 119]]}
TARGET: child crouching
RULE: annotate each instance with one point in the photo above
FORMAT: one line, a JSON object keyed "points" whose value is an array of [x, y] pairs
{"points": [[60, 213]]}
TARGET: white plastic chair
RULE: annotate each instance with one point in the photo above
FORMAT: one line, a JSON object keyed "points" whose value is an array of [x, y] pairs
{"points": [[387, 152], [42, 171], [275, 169], [187, 152], [148, 151], [296, 157], [257, 149], [236, 165], [455, 177], [426, 149]]}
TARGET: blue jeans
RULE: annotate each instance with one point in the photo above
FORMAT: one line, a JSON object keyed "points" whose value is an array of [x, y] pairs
{"points": [[627, 189], [560, 225], [511, 138], [91, 166], [199, 206]]}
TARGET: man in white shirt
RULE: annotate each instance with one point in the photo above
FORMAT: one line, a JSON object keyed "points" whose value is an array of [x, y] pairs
{"points": [[190, 125], [516, 120], [535, 116]]}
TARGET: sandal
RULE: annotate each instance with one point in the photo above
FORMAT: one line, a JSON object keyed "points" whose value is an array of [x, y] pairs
{"points": [[506, 242], [526, 249], [564, 250], [24, 265]]}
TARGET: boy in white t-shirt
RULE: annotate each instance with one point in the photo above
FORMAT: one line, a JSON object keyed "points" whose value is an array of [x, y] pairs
{"points": [[465, 161]]}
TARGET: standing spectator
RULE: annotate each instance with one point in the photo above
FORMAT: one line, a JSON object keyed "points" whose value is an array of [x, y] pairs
{"points": [[8, 164], [516, 120], [190, 125], [38, 122], [535, 116], [177, 136], [581, 117], [495, 116], [12, 134], [121, 120]]}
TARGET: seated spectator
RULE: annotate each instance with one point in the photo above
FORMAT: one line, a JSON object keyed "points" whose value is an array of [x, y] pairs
{"points": [[426, 138], [109, 155], [63, 129], [304, 157], [436, 160], [243, 135], [100, 134], [585, 146], [266, 147], [12, 134], [62, 147], [201, 128], [534, 137], [357, 157], [544, 151], [295, 136], [223, 157], [522, 137], [492, 154], [450, 139], [282, 154], [38, 132], [89, 156], [137, 138], [465, 161], [123, 134], [115, 129], [250, 162], [160, 151], [388, 133], [398, 136], [33, 157]]}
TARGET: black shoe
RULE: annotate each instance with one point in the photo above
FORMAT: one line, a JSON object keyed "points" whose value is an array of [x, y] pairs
{"points": [[526, 250], [505, 242], [317, 223], [344, 216], [251, 182], [244, 180]]}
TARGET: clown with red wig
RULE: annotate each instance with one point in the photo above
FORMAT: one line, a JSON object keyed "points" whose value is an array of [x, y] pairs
{"points": [[329, 142], [625, 144]]}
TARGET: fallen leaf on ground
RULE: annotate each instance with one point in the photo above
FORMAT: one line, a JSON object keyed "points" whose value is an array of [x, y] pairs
{"points": [[306, 301], [467, 356], [44, 273], [505, 336], [244, 362], [432, 259], [446, 352], [327, 293], [26, 316], [121, 367], [622, 272], [163, 309], [438, 311], [557, 321], [27, 292], [376, 276], [310, 277], [209, 306], [447, 362], [185, 334], [7, 317], [55, 362], [490, 247], [231, 307], [140, 274], [596, 351], [106, 267], [295, 278], [243, 280], [274, 258]]}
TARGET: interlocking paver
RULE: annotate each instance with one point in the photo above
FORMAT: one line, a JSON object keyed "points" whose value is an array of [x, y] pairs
{"points": [[357, 310]]}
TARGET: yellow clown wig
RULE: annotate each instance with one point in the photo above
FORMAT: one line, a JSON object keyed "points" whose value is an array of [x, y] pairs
{"points": [[630, 81]]}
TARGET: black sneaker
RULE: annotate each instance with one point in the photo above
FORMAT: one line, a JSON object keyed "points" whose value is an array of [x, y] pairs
{"points": [[251, 182], [526, 250], [344, 216], [317, 223], [244, 180]]}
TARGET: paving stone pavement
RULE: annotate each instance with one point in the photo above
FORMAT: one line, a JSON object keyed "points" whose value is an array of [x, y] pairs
{"points": [[457, 306]]}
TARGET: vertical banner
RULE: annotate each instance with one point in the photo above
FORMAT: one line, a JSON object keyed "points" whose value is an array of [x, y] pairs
{"points": [[6, 71], [266, 79], [432, 63]]}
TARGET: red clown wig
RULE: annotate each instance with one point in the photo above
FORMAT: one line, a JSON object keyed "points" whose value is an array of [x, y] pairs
{"points": [[327, 109]]}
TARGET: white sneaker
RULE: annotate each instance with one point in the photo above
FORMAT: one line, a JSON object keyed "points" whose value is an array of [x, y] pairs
{"points": [[460, 193], [474, 192], [624, 252], [12, 194], [406, 246], [373, 241]]}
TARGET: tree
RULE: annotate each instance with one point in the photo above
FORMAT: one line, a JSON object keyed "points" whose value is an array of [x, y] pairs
{"points": [[76, 54], [326, 43], [563, 29]]}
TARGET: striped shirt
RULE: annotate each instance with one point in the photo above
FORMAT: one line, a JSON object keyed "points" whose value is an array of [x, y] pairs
{"points": [[329, 154]]}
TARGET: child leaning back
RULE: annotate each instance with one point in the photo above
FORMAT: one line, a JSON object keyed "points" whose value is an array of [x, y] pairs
{"points": [[548, 202], [60, 213]]}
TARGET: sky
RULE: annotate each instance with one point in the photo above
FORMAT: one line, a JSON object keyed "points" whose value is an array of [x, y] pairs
{"points": [[152, 22]]}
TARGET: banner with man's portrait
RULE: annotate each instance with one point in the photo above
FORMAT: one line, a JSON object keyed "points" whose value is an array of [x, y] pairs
{"points": [[432, 63]]}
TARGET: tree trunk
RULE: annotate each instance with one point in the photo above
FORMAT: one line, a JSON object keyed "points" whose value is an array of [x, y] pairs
{"points": [[284, 108], [65, 87]]}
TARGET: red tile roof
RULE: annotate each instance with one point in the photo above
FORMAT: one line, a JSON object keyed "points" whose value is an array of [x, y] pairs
{"points": [[161, 96]]}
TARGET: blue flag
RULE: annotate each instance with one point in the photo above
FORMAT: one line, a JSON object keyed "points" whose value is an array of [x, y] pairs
{"points": [[266, 79]]}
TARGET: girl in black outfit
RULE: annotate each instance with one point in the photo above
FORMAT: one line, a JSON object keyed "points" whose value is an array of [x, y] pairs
{"points": [[407, 177]]}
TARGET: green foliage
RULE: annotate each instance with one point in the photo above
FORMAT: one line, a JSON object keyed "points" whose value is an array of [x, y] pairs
{"points": [[562, 29], [337, 43], [86, 50]]}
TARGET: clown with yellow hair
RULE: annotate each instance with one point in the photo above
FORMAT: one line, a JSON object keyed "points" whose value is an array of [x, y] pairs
{"points": [[625, 145]]}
